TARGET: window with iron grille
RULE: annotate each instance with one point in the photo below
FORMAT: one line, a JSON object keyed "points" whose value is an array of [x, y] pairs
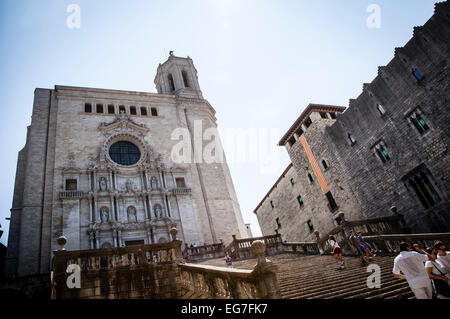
{"points": [[124, 153]]}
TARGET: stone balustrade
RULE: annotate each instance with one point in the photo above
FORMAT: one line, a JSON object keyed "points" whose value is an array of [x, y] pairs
{"points": [[307, 248], [390, 244], [201, 281], [71, 195], [241, 248], [180, 191], [204, 252]]}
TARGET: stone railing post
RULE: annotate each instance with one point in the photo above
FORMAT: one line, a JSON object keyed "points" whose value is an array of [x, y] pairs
{"points": [[265, 273], [319, 246]]}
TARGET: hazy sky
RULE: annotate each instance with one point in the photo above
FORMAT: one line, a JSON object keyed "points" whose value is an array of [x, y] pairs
{"points": [[259, 63]]}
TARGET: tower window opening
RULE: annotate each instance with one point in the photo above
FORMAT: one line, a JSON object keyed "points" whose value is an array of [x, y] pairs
{"points": [[324, 164], [185, 78], [292, 141], [310, 178], [333, 115], [323, 115], [271, 204], [310, 225], [171, 83], [111, 109], [382, 153], [71, 185], [292, 181], [300, 132], [143, 110], [133, 110], [381, 109], [278, 222], [416, 73], [331, 201], [154, 111], [300, 200], [122, 109], [351, 138]]}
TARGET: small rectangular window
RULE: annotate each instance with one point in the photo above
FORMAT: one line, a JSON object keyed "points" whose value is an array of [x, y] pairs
{"points": [[143, 110], [333, 115], [292, 181], [278, 222], [351, 138], [419, 122], [180, 182], [300, 132], [88, 107], [99, 108], [323, 115], [133, 110], [331, 201], [300, 200], [154, 111], [292, 141], [382, 153], [122, 109], [381, 109], [271, 204], [111, 109], [417, 74], [308, 122], [71, 185], [310, 225]]}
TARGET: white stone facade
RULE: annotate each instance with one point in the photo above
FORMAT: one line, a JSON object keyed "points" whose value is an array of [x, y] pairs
{"points": [[68, 184]]}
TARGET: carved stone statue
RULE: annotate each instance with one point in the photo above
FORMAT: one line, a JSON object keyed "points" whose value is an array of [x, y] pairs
{"points": [[154, 183], [158, 211], [129, 186], [131, 212], [104, 214], [103, 185]]}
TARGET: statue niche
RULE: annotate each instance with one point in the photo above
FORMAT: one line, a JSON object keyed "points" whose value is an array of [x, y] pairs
{"points": [[154, 182], [103, 184], [131, 212], [158, 211], [104, 214]]}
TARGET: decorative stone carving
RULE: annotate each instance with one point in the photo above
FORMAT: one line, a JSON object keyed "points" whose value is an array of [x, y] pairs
{"points": [[131, 213], [104, 214], [158, 211], [154, 182], [103, 184]]}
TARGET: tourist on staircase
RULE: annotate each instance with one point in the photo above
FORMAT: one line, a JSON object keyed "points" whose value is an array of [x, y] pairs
{"points": [[357, 247], [365, 246], [438, 276], [443, 256], [411, 264], [336, 250]]}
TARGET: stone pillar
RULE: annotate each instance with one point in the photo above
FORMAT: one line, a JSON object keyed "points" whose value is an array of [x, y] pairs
{"points": [[168, 206], [145, 207], [317, 234], [113, 210], [265, 273], [97, 242], [91, 218]]}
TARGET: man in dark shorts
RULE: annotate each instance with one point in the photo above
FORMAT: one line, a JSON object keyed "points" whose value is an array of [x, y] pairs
{"points": [[357, 247]]}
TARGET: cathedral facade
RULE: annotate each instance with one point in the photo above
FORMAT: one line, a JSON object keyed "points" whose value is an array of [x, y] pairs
{"points": [[98, 168]]}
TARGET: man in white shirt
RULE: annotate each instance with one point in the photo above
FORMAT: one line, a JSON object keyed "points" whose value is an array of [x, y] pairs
{"points": [[411, 264], [443, 256]]}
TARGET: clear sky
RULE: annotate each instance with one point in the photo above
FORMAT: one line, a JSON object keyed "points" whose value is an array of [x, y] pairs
{"points": [[259, 62]]}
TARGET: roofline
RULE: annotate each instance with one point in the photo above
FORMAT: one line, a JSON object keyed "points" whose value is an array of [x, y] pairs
{"points": [[273, 187], [311, 107]]}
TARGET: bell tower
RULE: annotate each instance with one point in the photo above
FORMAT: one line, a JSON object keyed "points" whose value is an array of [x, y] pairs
{"points": [[178, 76]]}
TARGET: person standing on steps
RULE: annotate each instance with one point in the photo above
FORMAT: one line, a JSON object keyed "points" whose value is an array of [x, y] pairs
{"points": [[409, 265], [357, 247], [436, 272], [228, 261], [336, 251], [365, 246]]}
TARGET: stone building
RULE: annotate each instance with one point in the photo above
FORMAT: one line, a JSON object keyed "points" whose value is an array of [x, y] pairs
{"points": [[390, 147], [98, 168]]}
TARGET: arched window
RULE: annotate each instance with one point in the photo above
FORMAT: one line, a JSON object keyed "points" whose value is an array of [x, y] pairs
{"points": [[185, 78], [171, 83]]}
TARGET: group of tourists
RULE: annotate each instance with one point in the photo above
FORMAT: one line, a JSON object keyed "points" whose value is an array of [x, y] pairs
{"points": [[359, 245], [427, 271]]}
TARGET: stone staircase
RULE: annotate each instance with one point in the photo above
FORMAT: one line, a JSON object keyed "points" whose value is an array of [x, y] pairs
{"points": [[319, 277]]}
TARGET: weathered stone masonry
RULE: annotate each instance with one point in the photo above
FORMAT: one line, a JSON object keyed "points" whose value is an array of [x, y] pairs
{"points": [[402, 113]]}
